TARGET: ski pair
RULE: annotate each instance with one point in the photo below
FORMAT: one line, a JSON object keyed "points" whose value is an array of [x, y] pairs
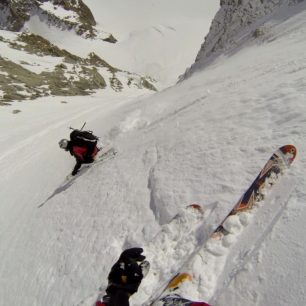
{"points": [[275, 167]]}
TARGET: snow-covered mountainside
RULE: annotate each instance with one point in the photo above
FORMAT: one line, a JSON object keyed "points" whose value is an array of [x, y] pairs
{"points": [[65, 14], [155, 38], [238, 22], [67, 47], [32, 66], [201, 141]]}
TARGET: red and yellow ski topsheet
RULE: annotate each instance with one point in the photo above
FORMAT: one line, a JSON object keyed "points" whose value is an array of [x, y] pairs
{"points": [[275, 166], [269, 175]]}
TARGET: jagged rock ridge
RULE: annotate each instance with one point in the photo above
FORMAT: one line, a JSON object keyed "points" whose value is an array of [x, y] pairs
{"points": [[15, 13], [235, 18]]}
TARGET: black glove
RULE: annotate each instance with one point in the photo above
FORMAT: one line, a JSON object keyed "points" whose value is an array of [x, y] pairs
{"points": [[126, 274], [76, 167], [133, 254]]}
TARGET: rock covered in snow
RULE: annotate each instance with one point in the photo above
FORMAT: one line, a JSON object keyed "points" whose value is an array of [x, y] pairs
{"points": [[65, 14], [31, 66], [13, 14], [235, 21]]}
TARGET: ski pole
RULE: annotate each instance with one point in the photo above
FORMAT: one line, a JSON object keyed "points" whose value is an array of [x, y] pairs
{"points": [[83, 126], [71, 128]]}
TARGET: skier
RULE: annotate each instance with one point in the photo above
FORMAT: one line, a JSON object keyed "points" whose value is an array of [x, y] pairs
{"points": [[125, 277], [83, 146]]}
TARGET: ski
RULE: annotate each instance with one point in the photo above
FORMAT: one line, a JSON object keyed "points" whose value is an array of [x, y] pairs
{"points": [[106, 153], [280, 160], [177, 300], [272, 171]]}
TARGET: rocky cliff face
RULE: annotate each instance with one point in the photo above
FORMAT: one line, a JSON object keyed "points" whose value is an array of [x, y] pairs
{"points": [[31, 67], [50, 70], [233, 24], [14, 14]]}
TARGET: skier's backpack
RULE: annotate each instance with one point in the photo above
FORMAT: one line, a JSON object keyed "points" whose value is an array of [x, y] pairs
{"points": [[83, 138]]}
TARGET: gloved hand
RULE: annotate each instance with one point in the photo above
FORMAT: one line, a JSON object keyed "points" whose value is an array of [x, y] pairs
{"points": [[132, 254], [128, 272]]}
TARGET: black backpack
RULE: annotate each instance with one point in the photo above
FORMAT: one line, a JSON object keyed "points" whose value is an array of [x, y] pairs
{"points": [[83, 138]]}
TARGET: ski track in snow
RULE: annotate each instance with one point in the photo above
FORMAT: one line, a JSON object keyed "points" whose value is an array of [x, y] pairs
{"points": [[216, 263], [265, 219]]}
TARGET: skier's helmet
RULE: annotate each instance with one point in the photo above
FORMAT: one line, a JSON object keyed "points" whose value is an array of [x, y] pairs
{"points": [[63, 144]]}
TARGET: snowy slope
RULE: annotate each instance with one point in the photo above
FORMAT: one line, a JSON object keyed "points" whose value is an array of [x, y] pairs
{"points": [[177, 27], [236, 23], [202, 141], [35, 66]]}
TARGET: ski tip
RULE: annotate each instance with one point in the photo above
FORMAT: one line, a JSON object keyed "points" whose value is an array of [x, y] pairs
{"points": [[177, 280], [196, 207], [289, 149]]}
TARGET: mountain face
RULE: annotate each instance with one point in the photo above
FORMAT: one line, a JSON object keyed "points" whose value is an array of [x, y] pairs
{"points": [[31, 66], [235, 22], [14, 14]]}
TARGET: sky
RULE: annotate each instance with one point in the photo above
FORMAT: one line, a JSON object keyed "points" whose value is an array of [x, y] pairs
{"points": [[201, 141]]}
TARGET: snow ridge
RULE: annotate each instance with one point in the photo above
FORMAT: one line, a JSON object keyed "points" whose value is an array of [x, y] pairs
{"points": [[236, 22]]}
